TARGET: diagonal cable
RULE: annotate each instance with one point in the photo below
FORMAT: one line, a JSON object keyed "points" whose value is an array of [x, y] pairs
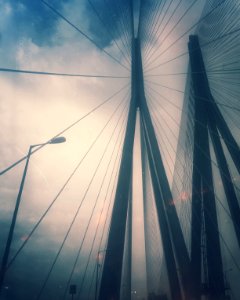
{"points": [[82, 33], [64, 130]]}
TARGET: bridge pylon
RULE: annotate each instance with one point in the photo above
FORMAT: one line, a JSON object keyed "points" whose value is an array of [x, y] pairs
{"points": [[175, 250], [206, 257]]}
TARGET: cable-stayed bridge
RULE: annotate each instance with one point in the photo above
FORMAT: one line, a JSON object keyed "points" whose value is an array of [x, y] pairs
{"points": [[142, 201]]}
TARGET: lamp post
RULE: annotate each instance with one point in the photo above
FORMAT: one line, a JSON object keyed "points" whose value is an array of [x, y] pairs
{"points": [[56, 140]]}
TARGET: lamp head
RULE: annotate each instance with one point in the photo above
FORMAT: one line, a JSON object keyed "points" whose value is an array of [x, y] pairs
{"points": [[58, 140]]}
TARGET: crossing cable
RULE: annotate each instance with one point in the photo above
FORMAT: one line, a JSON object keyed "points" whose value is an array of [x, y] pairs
{"points": [[218, 59], [126, 24], [143, 17], [230, 44], [77, 212], [65, 130], [140, 20], [203, 45], [120, 29], [174, 201], [98, 224], [186, 32], [164, 27], [197, 144], [173, 134], [149, 48], [98, 195], [176, 171], [175, 27], [216, 196], [225, 16], [223, 70], [127, 17], [109, 31], [233, 82], [209, 72], [60, 74], [131, 22], [60, 191], [236, 30], [182, 92], [206, 44], [146, 22], [120, 33], [105, 222], [119, 137], [181, 109], [156, 24], [82, 33], [168, 34], [107, 216], [231, 118], [230, 88], [227, 89], [141, 28], [149, 23], [228, 249], [154, 250]]}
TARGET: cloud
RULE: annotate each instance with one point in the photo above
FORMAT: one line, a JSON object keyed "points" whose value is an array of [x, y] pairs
{"points": [[27, 20], [33, 19]]}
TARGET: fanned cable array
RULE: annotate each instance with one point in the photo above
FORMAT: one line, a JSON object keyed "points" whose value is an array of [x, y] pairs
{"points": [[175, 74]]}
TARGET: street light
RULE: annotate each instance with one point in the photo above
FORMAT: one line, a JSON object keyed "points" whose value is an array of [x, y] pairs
{"points": [[56, 140]]}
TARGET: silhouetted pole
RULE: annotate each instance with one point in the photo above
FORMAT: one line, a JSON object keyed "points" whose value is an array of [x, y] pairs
{"points": [[15, 213], [14, 218]]}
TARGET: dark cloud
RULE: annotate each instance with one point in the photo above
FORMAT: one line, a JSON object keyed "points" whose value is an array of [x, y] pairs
{"points": [[33, 19], [110, 20]]}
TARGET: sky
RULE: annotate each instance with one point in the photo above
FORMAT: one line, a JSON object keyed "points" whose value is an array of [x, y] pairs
{"points": [[35, 108]]}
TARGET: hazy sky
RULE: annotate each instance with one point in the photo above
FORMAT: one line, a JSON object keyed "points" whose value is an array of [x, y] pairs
{"points": [[34, 108]]}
